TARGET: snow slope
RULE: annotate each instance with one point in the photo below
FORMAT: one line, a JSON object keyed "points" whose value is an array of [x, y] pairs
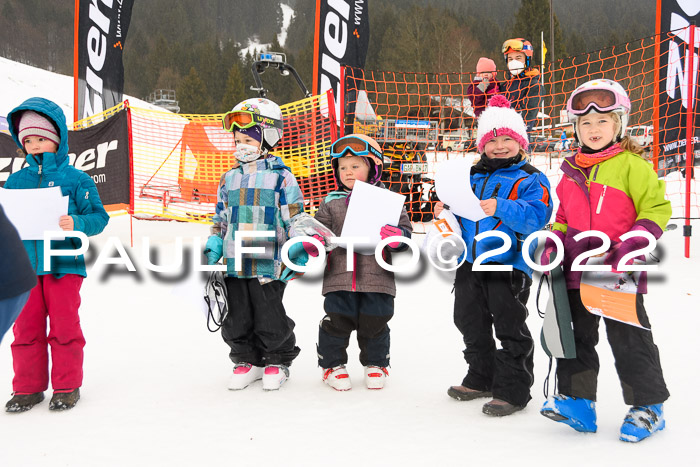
{"points": [[155, 379], [20, 82], [254, 45]]}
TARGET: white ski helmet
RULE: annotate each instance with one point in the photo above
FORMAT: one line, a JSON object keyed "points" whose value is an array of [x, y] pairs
{"points": [[602, 96], [261, 112]]}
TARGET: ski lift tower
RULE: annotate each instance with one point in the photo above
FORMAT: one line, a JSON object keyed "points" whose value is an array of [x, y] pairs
{"points": [[164, 98], [265, 60]]}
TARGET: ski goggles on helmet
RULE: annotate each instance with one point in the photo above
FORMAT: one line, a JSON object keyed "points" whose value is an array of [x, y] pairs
{"points": [[516, 45], [602, 100], [245, 119], [355, 147]]}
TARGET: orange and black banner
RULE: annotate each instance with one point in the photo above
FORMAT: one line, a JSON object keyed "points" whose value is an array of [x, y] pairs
{"points": [[341, 38], [101, 151], [100, 34]]}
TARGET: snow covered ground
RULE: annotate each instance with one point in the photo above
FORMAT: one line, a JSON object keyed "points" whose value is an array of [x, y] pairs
{"points": [[155, 379], [155, 383]]}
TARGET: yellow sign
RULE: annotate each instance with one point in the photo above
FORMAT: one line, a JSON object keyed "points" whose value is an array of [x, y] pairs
{"points": [[544, 52]]}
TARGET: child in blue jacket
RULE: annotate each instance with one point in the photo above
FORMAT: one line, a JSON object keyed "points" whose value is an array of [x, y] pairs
{"points": [[516, 198], [38, 127]]}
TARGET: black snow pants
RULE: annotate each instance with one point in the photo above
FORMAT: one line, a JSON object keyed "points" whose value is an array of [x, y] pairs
{"points": [[365, 312], [636, 357], [488, 301], [257, 328]]}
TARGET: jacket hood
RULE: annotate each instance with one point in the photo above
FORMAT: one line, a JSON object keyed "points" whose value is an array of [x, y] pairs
{"points": [[48, 109], [374, 176]]}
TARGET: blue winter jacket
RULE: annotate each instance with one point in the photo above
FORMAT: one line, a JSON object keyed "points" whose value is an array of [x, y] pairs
{"points": [[524, 206], [53, 169]]}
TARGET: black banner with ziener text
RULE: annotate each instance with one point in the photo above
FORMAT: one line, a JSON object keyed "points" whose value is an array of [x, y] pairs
{"points": [[102, 29], [342, 36], [677, 17], [101, 151]]}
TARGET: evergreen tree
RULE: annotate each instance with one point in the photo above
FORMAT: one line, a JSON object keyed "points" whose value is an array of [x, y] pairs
{"points": [[209, 67], [533, 18], [235, 88], [192, 94]]}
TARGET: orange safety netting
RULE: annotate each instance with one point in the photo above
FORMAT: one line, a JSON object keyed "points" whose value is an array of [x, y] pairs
{"points": [[421, 119], [178, 160]]}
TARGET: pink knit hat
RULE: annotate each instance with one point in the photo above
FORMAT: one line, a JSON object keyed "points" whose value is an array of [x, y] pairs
{"points": [[485, 65], [499, 119], [34, 124]]}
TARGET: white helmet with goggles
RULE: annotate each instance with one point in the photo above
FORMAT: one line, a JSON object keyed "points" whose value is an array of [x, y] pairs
{"points": [[261, 112], [601, 96], [361, 146]]}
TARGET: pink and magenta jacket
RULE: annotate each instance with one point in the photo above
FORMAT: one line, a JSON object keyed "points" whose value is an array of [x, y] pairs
{"points": [[612, 196]]}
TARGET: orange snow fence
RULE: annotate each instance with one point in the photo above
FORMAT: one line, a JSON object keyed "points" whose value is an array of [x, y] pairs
{"points": [[421, 119], [177, 160]]}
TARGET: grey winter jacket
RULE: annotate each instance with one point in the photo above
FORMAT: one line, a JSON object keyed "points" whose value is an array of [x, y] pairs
{"points": [[367, 276]]}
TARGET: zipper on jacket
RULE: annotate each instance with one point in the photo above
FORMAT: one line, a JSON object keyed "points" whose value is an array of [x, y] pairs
{"points": [[36, 250], [595, 174], [600, 200], [476, 231], [354, 270]]}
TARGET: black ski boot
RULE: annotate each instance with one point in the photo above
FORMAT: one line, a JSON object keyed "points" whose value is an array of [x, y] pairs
{"points": [[64, 400], [23, 402]]}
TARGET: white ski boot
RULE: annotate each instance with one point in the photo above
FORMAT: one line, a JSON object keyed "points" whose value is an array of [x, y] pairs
{"points": [[243, 375], [375, 376], [274, 377], [337, 378]]}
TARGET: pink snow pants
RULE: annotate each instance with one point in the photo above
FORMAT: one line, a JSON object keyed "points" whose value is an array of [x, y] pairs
{"points": [[59, 300]]}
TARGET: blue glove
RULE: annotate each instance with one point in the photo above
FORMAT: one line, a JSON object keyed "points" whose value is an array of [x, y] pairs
{"points": [[214, 249], [297, 253]]}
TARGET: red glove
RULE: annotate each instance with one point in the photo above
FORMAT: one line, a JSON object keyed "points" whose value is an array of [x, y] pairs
{"points": [[621, 249], [310, 248], [391, 231], [550, 247]]}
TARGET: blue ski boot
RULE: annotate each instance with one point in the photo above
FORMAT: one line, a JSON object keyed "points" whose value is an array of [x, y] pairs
{"points": [[576, 412], [642, 422]]}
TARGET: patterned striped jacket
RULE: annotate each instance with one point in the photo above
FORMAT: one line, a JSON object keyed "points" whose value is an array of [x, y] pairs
{"points": [[262, 195]]}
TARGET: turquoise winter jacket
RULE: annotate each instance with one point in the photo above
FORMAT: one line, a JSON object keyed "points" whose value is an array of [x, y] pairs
{"points": [[53, 169]]}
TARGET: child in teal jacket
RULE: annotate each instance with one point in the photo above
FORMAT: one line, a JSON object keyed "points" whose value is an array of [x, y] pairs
{"points": [[38, 127]]}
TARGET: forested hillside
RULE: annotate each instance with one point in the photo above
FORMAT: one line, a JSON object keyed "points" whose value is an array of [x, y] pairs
{"points": [[193, 46]]}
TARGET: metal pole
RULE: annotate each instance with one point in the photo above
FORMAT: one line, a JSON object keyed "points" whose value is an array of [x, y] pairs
{"points": [[542, 61], [552, 79], [689, 117]]}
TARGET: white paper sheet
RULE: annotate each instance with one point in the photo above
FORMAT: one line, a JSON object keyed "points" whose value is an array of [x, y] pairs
{"points": [[34, 211], [453, 187], [370, 209]]}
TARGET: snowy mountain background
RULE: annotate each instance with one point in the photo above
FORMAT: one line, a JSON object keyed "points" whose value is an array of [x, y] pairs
{"points": [[155, 379]]}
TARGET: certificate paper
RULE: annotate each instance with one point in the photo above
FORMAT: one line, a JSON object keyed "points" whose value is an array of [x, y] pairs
{"points": [[452, 185], [370, 209], [35, 210]]}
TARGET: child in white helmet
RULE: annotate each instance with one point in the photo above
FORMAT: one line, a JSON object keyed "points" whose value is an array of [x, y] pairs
{"points": [[260, 193], [607, 186], [360, 300]]}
